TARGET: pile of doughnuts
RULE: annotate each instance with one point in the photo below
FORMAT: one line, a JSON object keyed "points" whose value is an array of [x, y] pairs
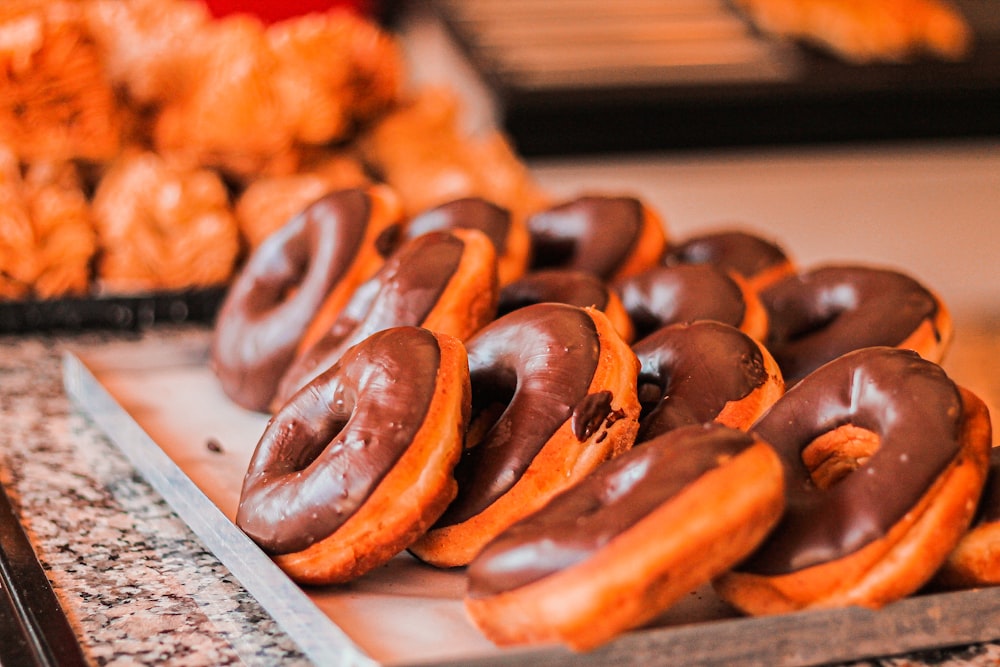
{"points": [[611, 421]]}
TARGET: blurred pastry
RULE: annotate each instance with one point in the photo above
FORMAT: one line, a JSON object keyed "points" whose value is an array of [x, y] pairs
{"points": [[270, 201], [148, 46], [163, 226], [867, 30], [56, 102], [46, 234], [258, 94], [421, 149]]}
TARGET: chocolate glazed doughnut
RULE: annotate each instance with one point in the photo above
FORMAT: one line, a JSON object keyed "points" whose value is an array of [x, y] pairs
{"points": [[554, 395], [758, 260], [570, 286], [444, 281], [823, 313], [611, 237], [976, 560], [308, 265], [353, 469], [665, 295], [701, 372], [885, 458], [625, 543], [508, 234]]}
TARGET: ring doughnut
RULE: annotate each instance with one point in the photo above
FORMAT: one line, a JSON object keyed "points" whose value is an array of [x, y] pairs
{"points": [[570, 286], [701, 372], [885, 458], [825, 312], [665, 295], [627, 542], [297, 279], [442, 281], [553, 395], [759, 260], [349, 472], [609, 236], [509, 234], [975, 561]]}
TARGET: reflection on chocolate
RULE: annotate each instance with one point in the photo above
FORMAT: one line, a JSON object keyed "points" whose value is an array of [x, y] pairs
{"points": [[821, 314], [465, 213], [730, 250], [570, 286], [590, 233], [690, 371], [668, 294]]}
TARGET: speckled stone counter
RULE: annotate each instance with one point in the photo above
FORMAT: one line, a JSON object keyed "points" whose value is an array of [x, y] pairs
{"points": [[139, 587]]}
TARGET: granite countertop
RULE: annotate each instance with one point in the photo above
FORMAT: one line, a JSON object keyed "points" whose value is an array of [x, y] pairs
{"points": [[138, 585]]}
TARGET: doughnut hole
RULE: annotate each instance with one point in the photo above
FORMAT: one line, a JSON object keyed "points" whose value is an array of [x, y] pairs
{"points": [[836, 454], [483, 419]]}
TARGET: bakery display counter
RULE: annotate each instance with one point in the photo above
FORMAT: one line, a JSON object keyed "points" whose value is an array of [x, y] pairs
{"points": [[142, 582], [122, 459]]}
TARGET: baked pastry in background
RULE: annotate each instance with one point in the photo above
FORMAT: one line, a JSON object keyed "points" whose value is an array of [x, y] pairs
{"points": [[421, 149], [162, 226], [867, 30], [56, 102], [148, 47], [259, 93], [269, 202]]}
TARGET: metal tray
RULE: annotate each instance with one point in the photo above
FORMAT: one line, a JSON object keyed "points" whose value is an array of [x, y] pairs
{"points": [[159, 403], [125, 312]]}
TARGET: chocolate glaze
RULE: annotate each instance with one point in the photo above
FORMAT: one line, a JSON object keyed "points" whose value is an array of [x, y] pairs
{"points": [[590, 233], [667, 294], [324, 452], [690, 371], [590, 413], [989, 503], [276, 294], [465, 213], [402, 292], [730, 250], [538, 362], [583, 519], [570, 286], [819, 315], [914, 409]]}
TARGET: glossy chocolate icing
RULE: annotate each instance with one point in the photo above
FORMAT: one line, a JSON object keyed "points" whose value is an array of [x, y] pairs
{"points": [[587, 516], [690, 371], [324, 452], [819, 315], [570, 286], [730, 250], [403, 292], [914, 409], [465, 213], [668, 294], [537, 363], [590, 233], [278, 291], [989, 503]]}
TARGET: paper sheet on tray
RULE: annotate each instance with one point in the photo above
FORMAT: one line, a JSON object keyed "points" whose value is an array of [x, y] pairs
{"points": [[409, 613]]}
